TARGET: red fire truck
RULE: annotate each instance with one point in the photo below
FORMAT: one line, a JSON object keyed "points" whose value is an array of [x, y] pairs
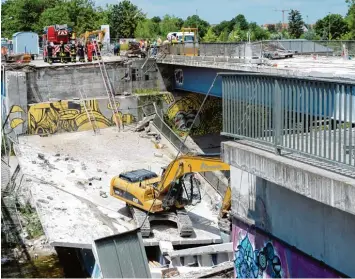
{"points": [[54, 34]]}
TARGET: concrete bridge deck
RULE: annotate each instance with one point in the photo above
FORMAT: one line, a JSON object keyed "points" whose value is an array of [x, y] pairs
{"points": [[74, 168]]}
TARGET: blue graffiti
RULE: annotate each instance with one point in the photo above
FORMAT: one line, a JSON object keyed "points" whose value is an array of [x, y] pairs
{"points": [[250, 263]]}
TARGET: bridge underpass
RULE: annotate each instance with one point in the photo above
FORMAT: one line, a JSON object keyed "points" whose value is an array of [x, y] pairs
{"points": [[292, 180]]}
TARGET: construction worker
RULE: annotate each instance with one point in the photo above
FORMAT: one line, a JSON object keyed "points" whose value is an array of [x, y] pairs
{"points": [[93, 48], [81, 52], [50, 52], [62, 54], [89, 51], [97, 50], [116, 49], [73, 52]]}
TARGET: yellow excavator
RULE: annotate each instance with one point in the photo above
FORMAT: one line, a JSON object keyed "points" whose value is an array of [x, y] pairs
{"points": [[164, 196], [97, 35]]}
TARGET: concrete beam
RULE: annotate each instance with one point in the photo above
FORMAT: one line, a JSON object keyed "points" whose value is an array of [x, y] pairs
{"points": [[324, 186], [306, 68], [211, 249]]}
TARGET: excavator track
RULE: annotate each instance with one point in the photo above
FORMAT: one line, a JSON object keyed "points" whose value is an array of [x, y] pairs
{"points": [[139, 217], [184, 223], [181, 218]]}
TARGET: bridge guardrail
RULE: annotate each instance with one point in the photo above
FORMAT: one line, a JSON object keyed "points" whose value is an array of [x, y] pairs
{"points": [[313, 117], [255, 49]]}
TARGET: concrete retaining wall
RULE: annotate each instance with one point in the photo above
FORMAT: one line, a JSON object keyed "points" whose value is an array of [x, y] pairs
{"points": [[319, 230], [64, 83]]}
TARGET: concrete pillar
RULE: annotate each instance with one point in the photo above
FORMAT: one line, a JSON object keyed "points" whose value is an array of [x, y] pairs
{"points": [[16, 101]]}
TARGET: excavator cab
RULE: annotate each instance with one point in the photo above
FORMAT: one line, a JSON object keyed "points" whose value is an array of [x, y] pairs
{"points": [[184, 191]]}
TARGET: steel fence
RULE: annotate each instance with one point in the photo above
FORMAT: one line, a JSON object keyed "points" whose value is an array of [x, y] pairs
{"points": [[308, 116], [256, 49]]}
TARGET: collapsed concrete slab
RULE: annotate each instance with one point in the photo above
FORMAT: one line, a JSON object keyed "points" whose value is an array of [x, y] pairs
{"points": [[204, 256], [69, 185]]}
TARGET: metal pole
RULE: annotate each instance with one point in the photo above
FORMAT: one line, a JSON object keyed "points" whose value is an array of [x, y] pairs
{"points": [[329, 28]]}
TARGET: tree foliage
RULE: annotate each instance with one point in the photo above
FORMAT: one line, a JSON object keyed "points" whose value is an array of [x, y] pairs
{"points": [[210, 36], [170, 24], [124, 19], [295, 24], [332, 27], [127, 20], [196, 22]]}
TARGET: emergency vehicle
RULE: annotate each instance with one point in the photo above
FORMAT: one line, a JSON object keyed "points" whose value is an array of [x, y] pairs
{"points": [[54, 34]]}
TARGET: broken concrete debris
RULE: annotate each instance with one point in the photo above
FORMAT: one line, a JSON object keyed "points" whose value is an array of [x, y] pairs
{"points": [[103, 194], [144, 122], [41, 156]]}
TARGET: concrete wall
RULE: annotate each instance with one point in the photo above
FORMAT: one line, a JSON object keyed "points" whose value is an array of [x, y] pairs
{"points": [[47, 83], [324, 232], [16, 100], [71, 116]]}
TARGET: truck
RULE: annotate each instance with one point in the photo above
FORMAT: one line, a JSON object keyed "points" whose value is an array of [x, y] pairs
{"points": [[55, 34]]}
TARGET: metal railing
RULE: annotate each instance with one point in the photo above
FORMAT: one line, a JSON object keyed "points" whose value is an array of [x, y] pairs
{"points": [[312, 117], [211, 177], [255, 49]]}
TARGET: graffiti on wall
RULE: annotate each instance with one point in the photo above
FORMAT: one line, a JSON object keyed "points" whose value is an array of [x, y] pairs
{"points": [[251, 263], [183, 110], [70, 116], [258, 255]]}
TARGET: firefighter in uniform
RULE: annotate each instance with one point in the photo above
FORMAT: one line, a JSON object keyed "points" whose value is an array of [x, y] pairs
{"points": [[73, 52], [81, 52], [89, 51], [62, 54], [50, 53]]}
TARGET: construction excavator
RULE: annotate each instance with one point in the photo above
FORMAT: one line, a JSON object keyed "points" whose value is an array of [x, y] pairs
{"points": [[165, 196], [92, 35]]}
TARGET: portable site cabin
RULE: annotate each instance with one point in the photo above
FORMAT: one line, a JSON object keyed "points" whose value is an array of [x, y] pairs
{"points": [[25, 42]]}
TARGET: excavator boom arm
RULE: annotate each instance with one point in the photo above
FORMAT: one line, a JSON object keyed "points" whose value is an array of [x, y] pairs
{"points": [[188, 164]]}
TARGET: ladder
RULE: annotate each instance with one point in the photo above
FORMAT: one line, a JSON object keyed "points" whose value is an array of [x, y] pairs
{"points": [[89, 113], [109, 90]]}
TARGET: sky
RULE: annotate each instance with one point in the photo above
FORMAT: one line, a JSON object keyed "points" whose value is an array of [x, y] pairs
{"points": [[260, 11]]}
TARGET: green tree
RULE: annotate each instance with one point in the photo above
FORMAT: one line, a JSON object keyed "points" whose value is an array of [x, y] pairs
{"points": [[210, 36], [146, 29], [295, 24], [310, 35], [124, 19], [156, 19], [22, 15], [196, 22], [272, 28], [240, 22], [332, 27], [223, 36], [237, 35], [169, 24], [56, 15], [350, 18], [225, 25], [257, 32]]}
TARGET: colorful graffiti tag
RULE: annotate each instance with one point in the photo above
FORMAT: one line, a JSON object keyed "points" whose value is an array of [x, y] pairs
{"points": [[70, 116], [182, 112], [258, 255], [250, 263]]}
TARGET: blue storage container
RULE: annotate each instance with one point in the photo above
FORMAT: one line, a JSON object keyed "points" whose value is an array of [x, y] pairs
{"points": [[25, 42]]}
